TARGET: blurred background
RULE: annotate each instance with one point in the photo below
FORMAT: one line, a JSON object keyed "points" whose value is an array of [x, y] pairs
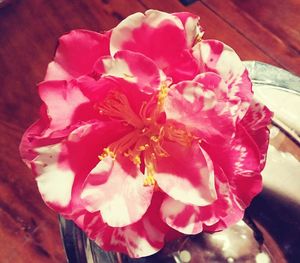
{"points": [[263, 30]]}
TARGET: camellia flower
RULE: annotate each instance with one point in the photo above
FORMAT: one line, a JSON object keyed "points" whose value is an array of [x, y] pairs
{"points": [[147, 131]]}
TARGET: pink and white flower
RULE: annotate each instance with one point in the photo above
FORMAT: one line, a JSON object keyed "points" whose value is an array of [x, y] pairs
{"points": [[147, 131]]}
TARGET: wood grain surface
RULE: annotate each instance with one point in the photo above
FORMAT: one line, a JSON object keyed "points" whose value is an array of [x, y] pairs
{"points": [[263, 30]]}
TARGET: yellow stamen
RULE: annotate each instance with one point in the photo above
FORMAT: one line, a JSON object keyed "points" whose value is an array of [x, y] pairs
{"points": [[137, 160], [179, 134], [116, 105], [150, 163], [158, 150], [125, 143], [134, 157], [164, 89], [107, 152], [154, 138], [144, 144], [197, 39], [149, 180], [144, 147]]}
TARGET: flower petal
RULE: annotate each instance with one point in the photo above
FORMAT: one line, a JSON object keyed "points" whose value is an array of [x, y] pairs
{"points": [[215, 56], [98, 91], [67, 106], [240, 161], [186, 175], [226, 210], [192, 28], [140, 239], [214, 82], [76, 54], [133, 67], [256, 122], [54, 182], [181, 67], [115, 188], [167, 45], [62, 100], [134, 33], [197, 107], [184, 218], [61, 168], [191, 219], [28, 142]]}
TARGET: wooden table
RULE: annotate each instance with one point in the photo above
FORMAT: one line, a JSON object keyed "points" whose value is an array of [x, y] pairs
{"points": [[263, 30]]}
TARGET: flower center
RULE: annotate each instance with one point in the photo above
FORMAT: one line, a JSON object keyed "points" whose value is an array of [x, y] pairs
{"points": [[144, 144]]}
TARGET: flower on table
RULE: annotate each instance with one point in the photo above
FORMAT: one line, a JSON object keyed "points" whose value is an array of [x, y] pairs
{"points": [[147, 131]]}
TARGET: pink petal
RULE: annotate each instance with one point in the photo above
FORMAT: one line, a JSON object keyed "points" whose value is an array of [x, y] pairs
{"points": [[96, 89], [184, 218], [215, 56], [97, 92], [191, 219], [197, 106], [133, 67], [256, 122], [54, 182], [240, 156], [76, 54], [35, 130], [92, 224], [214, 82], [191, 27], [240, 161], [186, 175], [67, 106], [136, 30], [181, 67], [82, 149], [241, 89], [258, 116], [116, 189], [226, 210], [39, 135], [62, 99], [61, 168], [140, 239], [159, 36]]}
